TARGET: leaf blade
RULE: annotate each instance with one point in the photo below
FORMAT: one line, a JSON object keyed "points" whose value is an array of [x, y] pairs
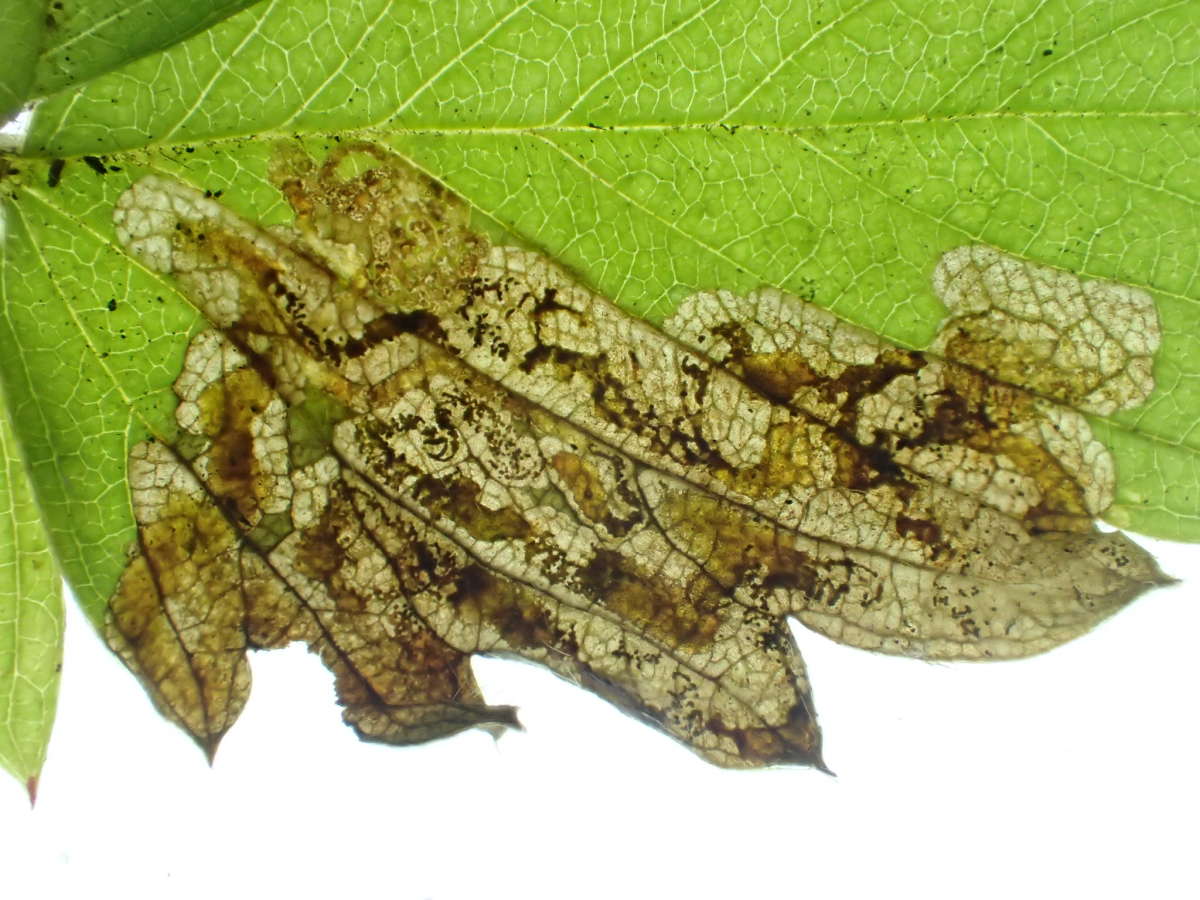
{"points": [[31, 621], [83, 41], [22, 23], [660, 199], [77, 392]]}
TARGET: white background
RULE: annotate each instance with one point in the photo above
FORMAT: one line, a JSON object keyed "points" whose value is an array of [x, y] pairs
{"points": [[1073, 774]]}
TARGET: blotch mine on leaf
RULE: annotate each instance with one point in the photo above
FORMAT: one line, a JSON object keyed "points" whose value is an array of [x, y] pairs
{"points": [[405, 446], [1089, 344]]}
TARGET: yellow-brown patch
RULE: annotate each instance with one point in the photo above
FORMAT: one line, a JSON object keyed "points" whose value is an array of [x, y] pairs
{"points": [[404, 446]]}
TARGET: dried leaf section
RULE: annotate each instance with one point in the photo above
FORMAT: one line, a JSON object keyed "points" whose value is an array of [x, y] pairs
{"points": [[404, 446]]}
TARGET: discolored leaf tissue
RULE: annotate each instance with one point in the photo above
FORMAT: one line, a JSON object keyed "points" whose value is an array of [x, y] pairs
{"points": [[405, 445]]}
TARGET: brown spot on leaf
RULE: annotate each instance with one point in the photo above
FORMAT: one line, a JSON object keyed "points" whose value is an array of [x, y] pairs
{"points": [[686, 618], [480, 596], [228, 412], [778, 375], [795, 741], [928, 533], [585, 484], [458, 499]]}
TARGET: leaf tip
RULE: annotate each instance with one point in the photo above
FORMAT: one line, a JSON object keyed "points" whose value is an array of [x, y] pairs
{"points": [[505, 720], [799, 755], [31, 788], [1162, 579], [208, 744]]}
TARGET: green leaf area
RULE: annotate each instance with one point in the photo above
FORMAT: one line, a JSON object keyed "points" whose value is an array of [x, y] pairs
{"points": [[31, 620], [834, 149], [21, 25], [49, 45]]}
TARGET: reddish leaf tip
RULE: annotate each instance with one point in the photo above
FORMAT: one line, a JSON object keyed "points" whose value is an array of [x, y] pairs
{"points": [[31, 787]]}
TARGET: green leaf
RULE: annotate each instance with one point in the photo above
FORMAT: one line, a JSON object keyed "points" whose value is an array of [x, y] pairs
{"points": [[834, 149], [50, 45], [84, 40], [21, 26], [82, 380], [31, 621]]}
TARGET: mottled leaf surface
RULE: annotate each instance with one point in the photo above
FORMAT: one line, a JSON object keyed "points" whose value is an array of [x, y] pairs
{"points": [[405, 445], [833, 150]]}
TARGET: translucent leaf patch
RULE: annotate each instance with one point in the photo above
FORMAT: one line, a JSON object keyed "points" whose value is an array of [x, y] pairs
{"points": [[405, 445]]}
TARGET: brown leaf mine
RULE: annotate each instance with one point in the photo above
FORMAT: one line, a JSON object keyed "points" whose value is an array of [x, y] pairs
{"points": [[1089, 344], [404, 446]]}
